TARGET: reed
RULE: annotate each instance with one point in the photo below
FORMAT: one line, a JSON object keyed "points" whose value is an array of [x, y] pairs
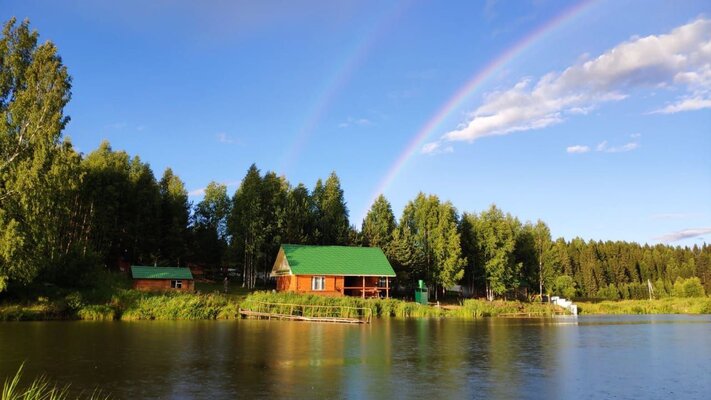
{"points": [[670, 305], [41, 389]]}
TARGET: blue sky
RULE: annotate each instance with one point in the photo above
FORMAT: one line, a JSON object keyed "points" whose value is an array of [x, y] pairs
{"points": [[599, 125]]}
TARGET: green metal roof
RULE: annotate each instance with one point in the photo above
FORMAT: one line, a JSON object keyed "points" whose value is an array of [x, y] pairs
{"points": [[337, 260], [140, 272]]}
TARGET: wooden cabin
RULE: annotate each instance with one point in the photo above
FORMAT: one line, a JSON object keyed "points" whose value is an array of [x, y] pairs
{"points": [[162, 278], [333, 270]]}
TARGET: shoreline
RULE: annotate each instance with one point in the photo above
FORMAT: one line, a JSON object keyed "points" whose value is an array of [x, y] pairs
{"points": [[132, 305]]}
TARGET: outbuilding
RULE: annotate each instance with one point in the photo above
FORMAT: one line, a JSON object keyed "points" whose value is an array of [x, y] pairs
{"points": [[162, 278], [333, 270]]}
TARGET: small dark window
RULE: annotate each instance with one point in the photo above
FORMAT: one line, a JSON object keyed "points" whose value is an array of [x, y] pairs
{"points": [[176, 284]]}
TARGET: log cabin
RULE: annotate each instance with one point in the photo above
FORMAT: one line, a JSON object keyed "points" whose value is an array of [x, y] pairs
{"points": [[333, 270], [162, 278]]}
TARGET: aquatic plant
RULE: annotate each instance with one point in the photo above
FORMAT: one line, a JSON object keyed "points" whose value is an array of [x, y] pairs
{"points": [[40, 389]]}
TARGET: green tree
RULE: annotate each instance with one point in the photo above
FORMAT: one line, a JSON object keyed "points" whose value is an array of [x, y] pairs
{"points": [[431, 231], [210, 226], [379, 224], [497, 241], [299, 216], [564, 285], [245, 225], [35, 168], [543, 245], [274, 191], [174, 215], [331, 212]]}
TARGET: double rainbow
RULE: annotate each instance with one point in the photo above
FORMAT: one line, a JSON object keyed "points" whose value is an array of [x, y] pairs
{"points": [[470, 87]]}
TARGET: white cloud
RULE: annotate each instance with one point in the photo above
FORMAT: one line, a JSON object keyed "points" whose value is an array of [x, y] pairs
{"points": [[222, 137], [617, 149], [354, 122], [577, 149], [433, 148], [605, 147], [680, 58], [686, 104], [683, 234]]}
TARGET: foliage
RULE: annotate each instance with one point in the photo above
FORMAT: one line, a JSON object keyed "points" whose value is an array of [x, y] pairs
{"points": [[427, 242], [379, 307], [379, 224], [174, 214], [698, 305], [209, 226], [39, 389], [66, 217], [493, 245], [331, 212], [478, 308], [38, 173], [564, 286]]}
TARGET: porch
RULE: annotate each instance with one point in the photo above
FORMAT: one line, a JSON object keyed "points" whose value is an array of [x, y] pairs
{"points": [[366, 286]]}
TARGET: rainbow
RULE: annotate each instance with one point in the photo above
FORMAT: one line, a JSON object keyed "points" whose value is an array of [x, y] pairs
{"points": [[340, 79], [469, 87]]}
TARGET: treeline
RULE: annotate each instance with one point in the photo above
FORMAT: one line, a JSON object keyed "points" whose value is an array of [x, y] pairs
{"points": [[64, 215]]}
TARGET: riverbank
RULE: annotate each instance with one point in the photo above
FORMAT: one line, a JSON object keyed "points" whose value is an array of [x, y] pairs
{"points": [[128, 305], [209, 304], [112, 298], [670, 305]]}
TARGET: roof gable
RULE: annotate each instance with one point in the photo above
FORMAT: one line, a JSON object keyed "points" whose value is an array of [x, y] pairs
{"points": [[142, 272], [335, 260]]}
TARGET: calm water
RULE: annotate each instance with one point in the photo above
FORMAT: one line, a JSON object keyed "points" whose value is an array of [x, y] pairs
{"points": [[646, 357]]}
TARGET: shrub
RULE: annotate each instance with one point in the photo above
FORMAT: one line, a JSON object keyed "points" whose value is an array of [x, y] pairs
{"points": [[692, 288]]}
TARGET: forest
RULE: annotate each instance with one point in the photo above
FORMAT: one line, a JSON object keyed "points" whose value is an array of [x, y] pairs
{"points": [[65, 215]]}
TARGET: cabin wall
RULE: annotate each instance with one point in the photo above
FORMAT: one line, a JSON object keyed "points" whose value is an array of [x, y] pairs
{"points": [[333, 285], [285, 283], [162, 284]]}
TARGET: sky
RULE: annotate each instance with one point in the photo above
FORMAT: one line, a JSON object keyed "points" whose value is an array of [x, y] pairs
{"points": [[593, 116]]}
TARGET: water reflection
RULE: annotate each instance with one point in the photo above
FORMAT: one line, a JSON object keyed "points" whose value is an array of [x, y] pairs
{"points": [[601, 357]]}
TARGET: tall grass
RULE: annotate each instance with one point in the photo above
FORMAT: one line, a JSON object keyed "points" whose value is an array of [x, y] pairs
{"points": [[378, 307], [127, 304], [40, 389], [674, 305], [399, 308], [480, 308]]}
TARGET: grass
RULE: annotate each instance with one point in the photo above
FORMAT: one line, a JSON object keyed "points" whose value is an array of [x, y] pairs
{"points": [[403, 309], [111, 298], [378, 307], [481, 308], [40, 389], [671, 305]]}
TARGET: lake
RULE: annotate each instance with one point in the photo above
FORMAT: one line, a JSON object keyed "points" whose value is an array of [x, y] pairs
{"points": [[647, 357]]}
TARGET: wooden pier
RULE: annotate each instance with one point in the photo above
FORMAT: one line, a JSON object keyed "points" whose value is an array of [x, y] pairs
{"points": [[307, 312]]}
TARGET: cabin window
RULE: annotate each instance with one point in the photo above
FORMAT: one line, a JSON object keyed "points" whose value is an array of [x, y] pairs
{"points": [[176, 284], [318, 283]]}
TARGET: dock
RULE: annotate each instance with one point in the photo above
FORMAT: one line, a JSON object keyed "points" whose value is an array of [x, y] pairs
{"points": [[307, 312]]}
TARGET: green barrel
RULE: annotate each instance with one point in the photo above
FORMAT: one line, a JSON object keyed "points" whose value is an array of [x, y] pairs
{"points": [[421, 293]]}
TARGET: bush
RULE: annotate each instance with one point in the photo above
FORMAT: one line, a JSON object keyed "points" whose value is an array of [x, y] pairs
{"points": [[609, 293], [564, 285], [97, 312], [661, 306], [692, 288]]}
